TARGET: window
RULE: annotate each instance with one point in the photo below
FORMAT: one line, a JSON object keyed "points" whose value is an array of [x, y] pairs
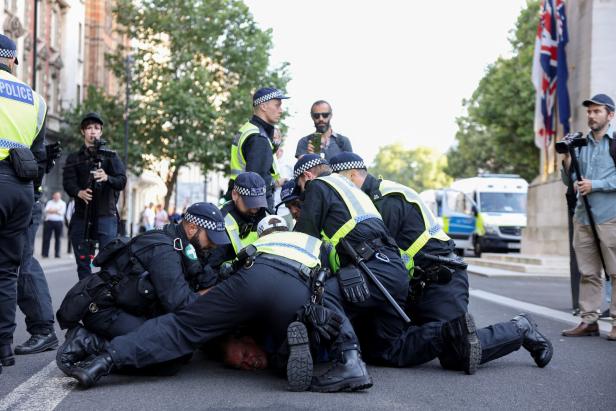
{"points": [[78, 96], [79, 42]]}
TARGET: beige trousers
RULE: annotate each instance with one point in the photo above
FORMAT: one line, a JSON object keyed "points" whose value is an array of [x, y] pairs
{"points": [[590, 267]]}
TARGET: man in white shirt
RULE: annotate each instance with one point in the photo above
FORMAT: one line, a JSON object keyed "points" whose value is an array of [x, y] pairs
{"points": [[54, 220], [147, 217]]}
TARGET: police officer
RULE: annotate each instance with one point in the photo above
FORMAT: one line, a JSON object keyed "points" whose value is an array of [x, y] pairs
{"points": [[151, 275], [422, 242], [336, 210], [268, 290], [22, 139], [247, 207], [289, 196], [94, 177], [252, 148]]}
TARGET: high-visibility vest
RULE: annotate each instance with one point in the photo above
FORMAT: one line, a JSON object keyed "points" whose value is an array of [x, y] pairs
{"points": [[233, 230], [432, 228], [359, 206], [295, 246], [238, 162], [22, 114]]}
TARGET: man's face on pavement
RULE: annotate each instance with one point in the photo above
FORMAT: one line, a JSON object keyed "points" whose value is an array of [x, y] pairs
{"points": [[321, 116], [91, 132], [598, 117], [272, 110]]}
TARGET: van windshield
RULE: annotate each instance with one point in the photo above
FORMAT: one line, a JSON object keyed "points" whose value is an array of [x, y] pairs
{"points": [[503, 202]]}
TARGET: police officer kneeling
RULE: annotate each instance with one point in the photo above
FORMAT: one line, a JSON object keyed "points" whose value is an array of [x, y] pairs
{"points": [[152, 274], [269, 289], [439, 280]]}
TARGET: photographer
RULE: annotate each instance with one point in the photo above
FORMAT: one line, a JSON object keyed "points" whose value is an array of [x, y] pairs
{"points": [[596, 153], [93, 176]]}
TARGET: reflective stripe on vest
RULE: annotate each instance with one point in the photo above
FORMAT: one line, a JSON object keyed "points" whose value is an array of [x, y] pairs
{"points": [[295, 246], [233, 230], [433, 228], [238, 162], [22, 114], [359, 206]]}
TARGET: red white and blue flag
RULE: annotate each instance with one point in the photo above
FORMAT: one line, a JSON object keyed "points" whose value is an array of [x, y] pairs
{"points": [[550, 72]]}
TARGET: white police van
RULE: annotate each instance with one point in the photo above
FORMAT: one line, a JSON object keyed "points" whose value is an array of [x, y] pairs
{"points": [[500, 210]]}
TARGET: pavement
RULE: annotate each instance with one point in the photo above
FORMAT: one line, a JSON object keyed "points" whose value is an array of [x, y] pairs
{"points": [[581, 375]]}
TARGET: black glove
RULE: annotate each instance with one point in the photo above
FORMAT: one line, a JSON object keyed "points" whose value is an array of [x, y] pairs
{"points": [[206, 278], [323, 322], [353, 284], [53, 152]]}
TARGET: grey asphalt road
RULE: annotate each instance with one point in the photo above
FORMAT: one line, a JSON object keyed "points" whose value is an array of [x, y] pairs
{"points": [[581, 375]]}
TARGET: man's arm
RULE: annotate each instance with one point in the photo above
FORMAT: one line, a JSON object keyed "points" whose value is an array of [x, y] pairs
{"points": [[313, 213], [346, 144], [302, 147], [116, 176], [165, 268], [259, 157], [392, 211]]}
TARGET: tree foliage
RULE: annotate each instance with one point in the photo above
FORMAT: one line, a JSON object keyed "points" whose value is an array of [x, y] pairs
{"points": [[420, 168], [496, 134], [194, 66]]}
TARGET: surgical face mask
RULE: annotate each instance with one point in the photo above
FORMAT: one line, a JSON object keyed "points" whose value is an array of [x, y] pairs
{"points": [[195, 246]]}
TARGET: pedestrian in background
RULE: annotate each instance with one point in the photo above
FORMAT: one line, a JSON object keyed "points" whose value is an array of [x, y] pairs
{"points": [[598, 183], [323, 141], [161, 218], [54, 219], [147, 218]]}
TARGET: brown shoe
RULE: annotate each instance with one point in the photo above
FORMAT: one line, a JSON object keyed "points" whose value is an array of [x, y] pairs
{"points": [[612, 335], [582, 330]]}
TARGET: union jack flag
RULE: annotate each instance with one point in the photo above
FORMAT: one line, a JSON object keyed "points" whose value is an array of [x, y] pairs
{"points": [[550, 72]]}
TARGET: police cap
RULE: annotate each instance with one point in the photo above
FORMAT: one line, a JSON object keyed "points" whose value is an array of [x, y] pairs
{"points": [[251, 187], [209, 217], [288, 193], [346, 161], [266, 94], [8, 49], [306, 162]]}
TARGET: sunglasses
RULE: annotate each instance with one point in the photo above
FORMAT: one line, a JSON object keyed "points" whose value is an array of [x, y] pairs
{"points": [[317, 115]]}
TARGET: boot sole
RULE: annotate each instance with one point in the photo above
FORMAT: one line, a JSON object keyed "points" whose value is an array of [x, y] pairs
{"points": [[591, 334], [474, 346], [7, 361], [351, 384], [299, 365], [82, 378], [46, 347]]}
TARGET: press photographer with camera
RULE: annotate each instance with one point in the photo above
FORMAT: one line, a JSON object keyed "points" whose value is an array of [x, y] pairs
{"points": [[94, 177], [590, 166]]}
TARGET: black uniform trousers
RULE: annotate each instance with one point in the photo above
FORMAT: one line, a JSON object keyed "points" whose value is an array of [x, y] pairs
{"points": [[384, 336], [266, 296], [15, 212], [445, 302], [33, 295]]}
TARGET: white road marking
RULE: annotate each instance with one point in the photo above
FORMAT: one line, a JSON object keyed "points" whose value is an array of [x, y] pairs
{"points": [[43, 391], [534, 308]]}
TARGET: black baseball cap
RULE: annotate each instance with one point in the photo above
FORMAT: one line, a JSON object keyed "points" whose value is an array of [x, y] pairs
{"points": [[93, 116], [251, 187], [209, 217], [601, 100]]}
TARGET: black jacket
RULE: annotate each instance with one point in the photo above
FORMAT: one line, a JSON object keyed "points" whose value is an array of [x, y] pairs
{"points": [[404, 220], [258, 152], [76, 177]]}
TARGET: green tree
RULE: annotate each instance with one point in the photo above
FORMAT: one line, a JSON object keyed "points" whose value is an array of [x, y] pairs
{"points": [[496, 134], [420, 168], [195, 65]]}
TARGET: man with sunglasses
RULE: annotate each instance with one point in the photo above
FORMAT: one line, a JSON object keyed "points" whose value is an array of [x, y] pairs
{"points": [[242, 214], [331, 143]]}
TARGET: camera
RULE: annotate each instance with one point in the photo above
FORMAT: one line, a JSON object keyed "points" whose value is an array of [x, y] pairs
{"points": [[100, 151], [570, 141]]}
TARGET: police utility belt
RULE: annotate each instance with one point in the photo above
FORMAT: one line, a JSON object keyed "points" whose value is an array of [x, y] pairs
{"points": [[437, 270], [21, 162]]}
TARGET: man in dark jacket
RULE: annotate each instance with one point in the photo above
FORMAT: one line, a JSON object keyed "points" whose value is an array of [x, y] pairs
{"points": [[94, 177]]}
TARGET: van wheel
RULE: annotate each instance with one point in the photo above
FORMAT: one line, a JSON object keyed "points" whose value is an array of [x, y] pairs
{"points": [[477, 248]]}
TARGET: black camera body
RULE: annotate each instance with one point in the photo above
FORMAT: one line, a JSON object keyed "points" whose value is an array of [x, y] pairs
{"points": [[570, 141], [100, 151]]}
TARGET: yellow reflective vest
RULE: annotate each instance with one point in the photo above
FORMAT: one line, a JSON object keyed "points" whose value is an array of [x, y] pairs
{"points": [[238, 162], [233, 230], [359, 206], [295, 246], [432, 228], [22, 114]]}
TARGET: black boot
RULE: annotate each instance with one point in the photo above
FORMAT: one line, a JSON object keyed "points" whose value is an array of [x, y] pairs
{"points": [[38, 343], [539, 347], [299, 364], [460, 338], [87, 373], [78, 345], [6, 355], [349, 373]]}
